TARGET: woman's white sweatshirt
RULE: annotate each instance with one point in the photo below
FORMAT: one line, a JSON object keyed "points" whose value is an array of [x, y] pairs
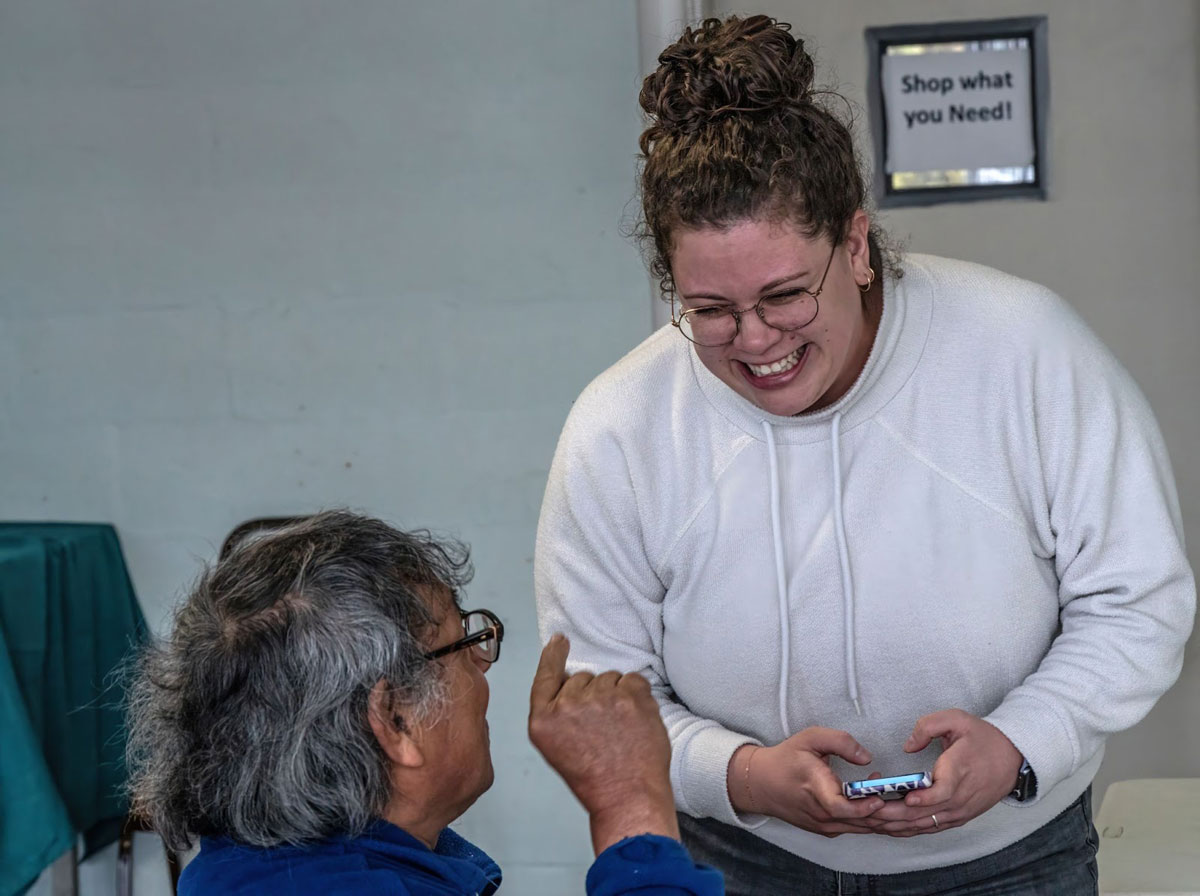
{"points": [[987, 520]]}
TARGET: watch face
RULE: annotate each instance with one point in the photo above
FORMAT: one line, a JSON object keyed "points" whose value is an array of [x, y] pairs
{"points": [[1026, 784]]}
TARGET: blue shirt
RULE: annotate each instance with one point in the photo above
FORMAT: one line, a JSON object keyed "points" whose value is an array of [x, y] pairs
{"points": [[387, 860]]}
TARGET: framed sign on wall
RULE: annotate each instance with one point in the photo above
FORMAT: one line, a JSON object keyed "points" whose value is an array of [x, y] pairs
{"points": [[958, 110]]}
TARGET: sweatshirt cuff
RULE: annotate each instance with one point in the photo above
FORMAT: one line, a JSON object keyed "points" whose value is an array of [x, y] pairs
{"points": [[701, 766], [654, 864], [1041, 737]]}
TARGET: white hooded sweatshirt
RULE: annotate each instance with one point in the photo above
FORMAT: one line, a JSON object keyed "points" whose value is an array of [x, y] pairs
{"points": [[987, 521]]}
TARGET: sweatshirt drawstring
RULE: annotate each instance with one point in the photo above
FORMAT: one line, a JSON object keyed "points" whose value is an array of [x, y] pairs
{"points": [[780, 581], [844, 562], [839, 527]]}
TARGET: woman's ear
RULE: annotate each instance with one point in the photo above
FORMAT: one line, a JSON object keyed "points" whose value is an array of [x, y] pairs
{"points": [[859, 245], [390, 727]]}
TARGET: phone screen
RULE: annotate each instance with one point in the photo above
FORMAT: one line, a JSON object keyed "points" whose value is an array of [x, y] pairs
{"points": [[896, 784]]}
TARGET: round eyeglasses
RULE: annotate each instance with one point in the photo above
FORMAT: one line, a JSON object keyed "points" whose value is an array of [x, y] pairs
{"points": [[482, 633], [791, 309]]}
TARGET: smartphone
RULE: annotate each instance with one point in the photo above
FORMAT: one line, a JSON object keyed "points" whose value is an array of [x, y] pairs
{"points": [[898, 784]]}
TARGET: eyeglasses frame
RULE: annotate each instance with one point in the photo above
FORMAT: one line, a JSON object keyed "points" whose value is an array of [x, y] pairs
{"points": [[495, 630], [757, 309]]}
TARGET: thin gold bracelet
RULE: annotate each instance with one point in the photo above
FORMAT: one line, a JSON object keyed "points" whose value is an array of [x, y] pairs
{"points": [[749, 792]]}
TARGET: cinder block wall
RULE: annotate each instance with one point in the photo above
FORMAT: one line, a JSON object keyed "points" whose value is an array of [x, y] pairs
{"points": [[274, 255]]}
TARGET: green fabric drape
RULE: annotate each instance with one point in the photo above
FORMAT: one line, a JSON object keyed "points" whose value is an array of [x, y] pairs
{"points": [[68, 621]]}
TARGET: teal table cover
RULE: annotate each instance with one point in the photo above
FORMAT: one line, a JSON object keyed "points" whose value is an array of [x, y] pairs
{"points": [[69, 621]]}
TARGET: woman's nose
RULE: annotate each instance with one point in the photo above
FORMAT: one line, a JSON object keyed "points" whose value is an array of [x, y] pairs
{"points": [[753, 333]]}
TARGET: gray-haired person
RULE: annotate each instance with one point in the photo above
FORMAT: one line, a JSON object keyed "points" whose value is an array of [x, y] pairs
{"points": [[317, 718]]}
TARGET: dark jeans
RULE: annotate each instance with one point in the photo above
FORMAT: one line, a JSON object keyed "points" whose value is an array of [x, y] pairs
{"points": [[1058, 859]]}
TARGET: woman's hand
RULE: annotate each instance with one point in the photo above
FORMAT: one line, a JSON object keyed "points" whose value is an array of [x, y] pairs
{"points": [[792, 781], [977, 769]]}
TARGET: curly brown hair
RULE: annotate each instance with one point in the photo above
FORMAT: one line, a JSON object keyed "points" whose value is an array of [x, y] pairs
{"points": [[737, 131]]}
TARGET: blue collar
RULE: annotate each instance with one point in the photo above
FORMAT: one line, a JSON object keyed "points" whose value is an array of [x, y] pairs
{"points": [[347, 865]]}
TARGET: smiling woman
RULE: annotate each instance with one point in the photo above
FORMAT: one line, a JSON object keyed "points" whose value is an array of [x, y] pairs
{"points": [[771, 356], [857, 519]]}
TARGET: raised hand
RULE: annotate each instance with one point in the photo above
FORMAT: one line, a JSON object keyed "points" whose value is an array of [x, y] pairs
{"points": [[604, 736]]}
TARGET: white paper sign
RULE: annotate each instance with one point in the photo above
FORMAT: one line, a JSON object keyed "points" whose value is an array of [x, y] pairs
{"points": [[951, 110]]}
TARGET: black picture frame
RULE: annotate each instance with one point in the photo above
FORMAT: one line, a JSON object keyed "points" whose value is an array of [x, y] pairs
{"points": [[878, 39]]}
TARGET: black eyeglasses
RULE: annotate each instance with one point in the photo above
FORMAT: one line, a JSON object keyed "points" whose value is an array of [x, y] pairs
{"points": [[791, 309], [483, 632]]}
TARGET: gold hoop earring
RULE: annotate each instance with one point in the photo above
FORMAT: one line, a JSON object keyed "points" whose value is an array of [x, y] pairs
{"points": [[870, 280]]}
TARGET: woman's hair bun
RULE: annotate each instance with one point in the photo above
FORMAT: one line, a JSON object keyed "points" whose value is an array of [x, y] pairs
{"points": [[726, 67]]}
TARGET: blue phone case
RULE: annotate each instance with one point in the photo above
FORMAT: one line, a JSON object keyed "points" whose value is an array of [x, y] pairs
{"points": [[856, 790]]}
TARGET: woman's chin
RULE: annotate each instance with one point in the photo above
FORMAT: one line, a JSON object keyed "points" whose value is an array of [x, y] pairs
{"points": [[794, 398]]}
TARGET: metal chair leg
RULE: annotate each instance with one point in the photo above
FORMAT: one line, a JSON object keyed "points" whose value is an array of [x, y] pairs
{"points": [[64, 874], [125, 858]]}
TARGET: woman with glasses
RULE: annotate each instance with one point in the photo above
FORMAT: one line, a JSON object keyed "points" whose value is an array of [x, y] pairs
{"points": [[855, 515]]}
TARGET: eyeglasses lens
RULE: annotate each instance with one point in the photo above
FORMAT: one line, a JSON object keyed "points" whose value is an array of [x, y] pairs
{"points": [[489, 648], [715, 326]]}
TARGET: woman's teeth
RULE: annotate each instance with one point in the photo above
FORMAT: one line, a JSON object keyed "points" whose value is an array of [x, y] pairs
{"points": [[779, 366]]}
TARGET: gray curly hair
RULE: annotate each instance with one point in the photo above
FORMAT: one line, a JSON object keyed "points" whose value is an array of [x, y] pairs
{"points": [[250, 720]]}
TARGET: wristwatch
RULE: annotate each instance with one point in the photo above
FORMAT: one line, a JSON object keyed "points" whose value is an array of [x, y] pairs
{"points": [[1026, 788]]}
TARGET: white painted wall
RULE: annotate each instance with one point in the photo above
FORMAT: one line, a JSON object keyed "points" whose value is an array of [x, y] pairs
{"points": [[1118, 237], [273, 255]]}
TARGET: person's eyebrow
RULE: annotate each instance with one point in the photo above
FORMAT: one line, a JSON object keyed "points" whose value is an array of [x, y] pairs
{"points": [[779, 281], [804, 272]]}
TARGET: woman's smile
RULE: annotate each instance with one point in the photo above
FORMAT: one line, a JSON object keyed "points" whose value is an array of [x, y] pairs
{"points": [[773, 375]]}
